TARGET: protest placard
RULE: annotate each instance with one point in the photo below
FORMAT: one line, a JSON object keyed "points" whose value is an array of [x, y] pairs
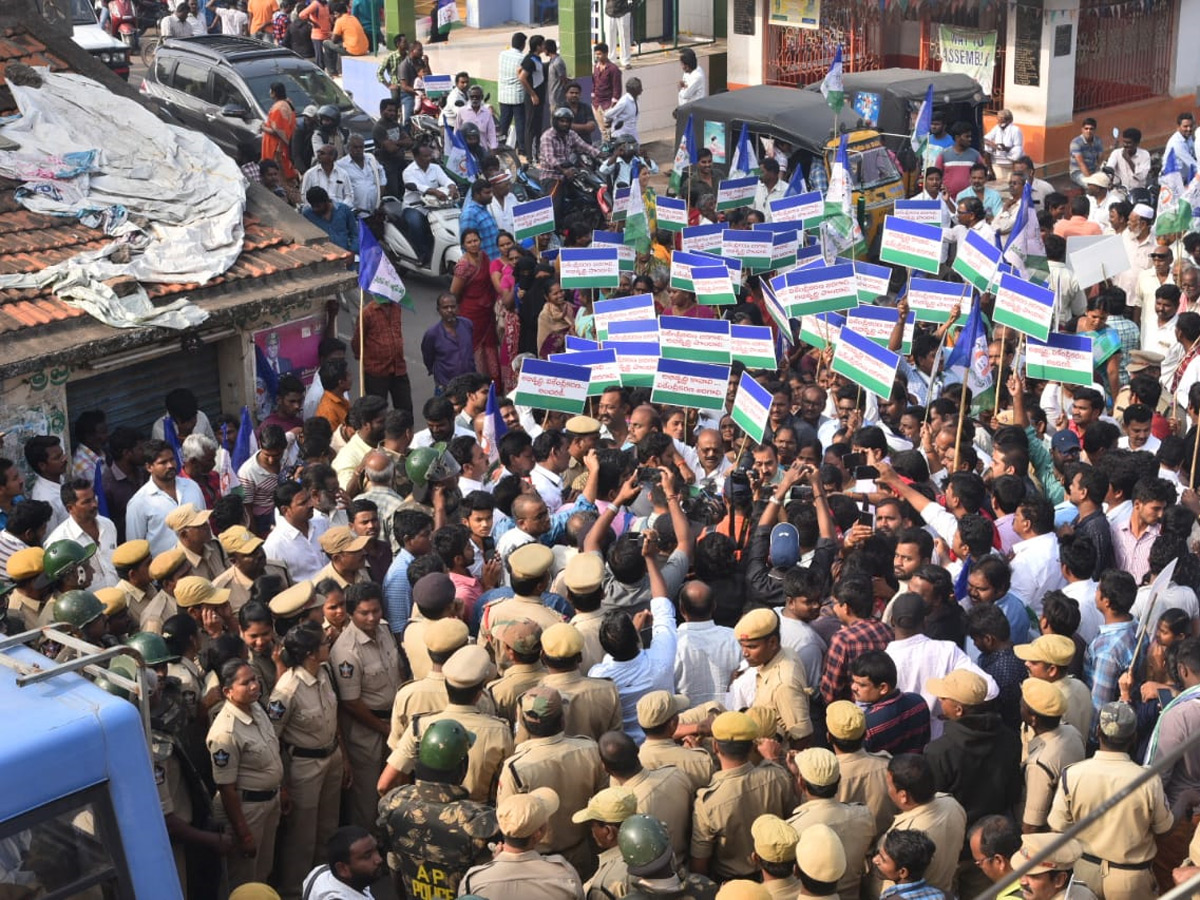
{"points": [[636, 330], [713, 286], [878, 322], [735, 192], [550, 385], [1061, 357], [590, 267], [438, 85], [533, 218], [621, 309], [752, 346], [865, 363], [821, 330], [602, 364], [699, 238], [976, 261], [751, 408], [626, 253], [637, 360], [702, 340], [818, 289], [1029, 308], [690, 384], [1095, 258], [871, 281], [932, 299], [578, 343], [671, 213], [913, 245], [925, 212], [805, 210], [751, 248]]}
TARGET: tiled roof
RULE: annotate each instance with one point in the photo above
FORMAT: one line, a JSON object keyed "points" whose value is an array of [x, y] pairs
{"points": [[29, 241]]}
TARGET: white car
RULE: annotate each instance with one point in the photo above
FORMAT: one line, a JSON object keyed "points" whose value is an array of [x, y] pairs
{"points": [[95, 40]]}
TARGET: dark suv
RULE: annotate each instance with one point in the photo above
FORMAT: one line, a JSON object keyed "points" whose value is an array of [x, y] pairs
{"points": [[221, 85]]}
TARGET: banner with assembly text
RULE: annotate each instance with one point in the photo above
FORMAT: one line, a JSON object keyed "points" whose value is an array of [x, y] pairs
{"points": [[621, 309], [976, 261], [702, 340], [626, 253], [817, 289], [670, 212], [752, 346], [735, 192], [602, 364], [590, 267], [752, 249], [932, 299], [637, 360], [804, 210], [923, 212], [1029, 308], [878, 322], [871, 281], [821, 330], [533, 218], [699, 238], [713, 286]]}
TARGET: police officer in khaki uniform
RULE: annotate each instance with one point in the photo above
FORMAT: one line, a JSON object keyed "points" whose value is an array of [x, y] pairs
{"points": [[664, 793], [167, 569], [30, 587], [366, 666], [521, 649], [853, 823], [1048, 658], [296, 605], [347, 557], [196, 540], [739, 794], [519, 872], [303, 709], [591, 706], [583, 433], [434, 598], [604, 814], [658, 714], [583, 579], [132, 562], [780, 684], [1053, 878], [529, 568], [248, 772], [209, 608], [940, 816], [775, 856], [863, 774], [1053, 747], [570, 766], [820, 863], [428, 693], [465, 673], [1118, 847], [247, 561]]}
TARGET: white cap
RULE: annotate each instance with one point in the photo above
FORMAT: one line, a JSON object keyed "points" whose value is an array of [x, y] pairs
{"points": [[1144, 212]]}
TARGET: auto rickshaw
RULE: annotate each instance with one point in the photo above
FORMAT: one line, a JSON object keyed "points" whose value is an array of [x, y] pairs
{"points": [[802, 128]]}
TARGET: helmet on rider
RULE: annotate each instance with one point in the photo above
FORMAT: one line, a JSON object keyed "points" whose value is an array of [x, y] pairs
{"points": [[563, 117], [470, 133], [331, 113]]}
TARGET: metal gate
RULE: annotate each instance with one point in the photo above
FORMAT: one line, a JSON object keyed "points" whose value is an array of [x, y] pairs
{"points": [[1123, 59], [133, 395], [800, 56]]}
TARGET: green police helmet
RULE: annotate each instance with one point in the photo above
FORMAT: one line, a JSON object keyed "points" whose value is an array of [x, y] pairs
{"points": [[644, 843], [62, 555], [152, 647], [78, 608], [121, 665], [444, 745], [426, 464]]}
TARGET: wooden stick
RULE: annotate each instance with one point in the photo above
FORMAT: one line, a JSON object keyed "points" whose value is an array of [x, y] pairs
{"points": [[1195, 445], [362, 348], [741, 450], [962, 410], [999, 378]]}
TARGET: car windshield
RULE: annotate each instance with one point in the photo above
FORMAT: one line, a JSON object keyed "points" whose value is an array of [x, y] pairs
{"points": [[82, 12], [872, 168], [305, 83]]}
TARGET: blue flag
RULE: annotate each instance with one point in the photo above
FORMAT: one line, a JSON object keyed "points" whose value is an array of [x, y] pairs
{"points": [[171, 436], [920, 135], [797, 184], [685, 156], [969, 358], [243, 448], [745, 160], [493, 426], [98, 487], [960, 583], [376, 274], [459, 159]]}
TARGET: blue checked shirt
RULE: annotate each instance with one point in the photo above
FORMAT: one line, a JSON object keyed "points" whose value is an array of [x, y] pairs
{"points": [[1108, 655], [508, 86], [397, 593], [916, 890], [1131, 339], [480, 218]]}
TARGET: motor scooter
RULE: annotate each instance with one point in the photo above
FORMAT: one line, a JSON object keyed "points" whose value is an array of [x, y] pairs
{"points": [[443, 223]]}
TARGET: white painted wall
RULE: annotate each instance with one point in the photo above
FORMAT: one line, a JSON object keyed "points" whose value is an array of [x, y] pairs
{"points": [[1185, 74], [1053, 101], [745, 61]]}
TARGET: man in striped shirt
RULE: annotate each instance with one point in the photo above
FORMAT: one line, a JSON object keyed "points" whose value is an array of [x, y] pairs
{"points": [[897, 722], [1133, 538]]}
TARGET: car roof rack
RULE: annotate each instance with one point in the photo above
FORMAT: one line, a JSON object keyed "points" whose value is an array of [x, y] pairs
{"points": [[227, 47], [88, 661]]}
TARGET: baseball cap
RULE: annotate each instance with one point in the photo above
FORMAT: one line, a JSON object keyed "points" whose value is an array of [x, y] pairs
{"points": [[1098, 179], [1054, 649], [961, 685], [612, 805], [446, 635], [540, 703], [531, 561], [238, 539], [1043, 698], [26, 564], [433, 593], [520, 635], [196, 591], [582, 426], [756, 624], [342, 540], [166, 562], [1034, 845], [186, 516], [656, 707], [523, 814], [1064, 441], [743, 889], [1118, 722], [293, 600], [131, 553], [469, 666], [785, 546]]}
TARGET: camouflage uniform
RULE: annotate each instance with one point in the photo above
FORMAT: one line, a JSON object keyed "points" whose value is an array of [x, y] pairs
{"points": [[693, 887], [434, 834]]}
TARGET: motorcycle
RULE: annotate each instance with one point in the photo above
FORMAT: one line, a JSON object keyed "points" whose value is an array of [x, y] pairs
{"points": [[586, 194], [443, 222]]}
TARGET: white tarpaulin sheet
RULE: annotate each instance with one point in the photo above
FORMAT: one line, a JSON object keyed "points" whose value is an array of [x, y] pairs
{"points": [[171, 200]]}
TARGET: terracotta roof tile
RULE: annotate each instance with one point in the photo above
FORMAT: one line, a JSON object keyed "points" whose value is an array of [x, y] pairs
{"points": [[29, 242]]}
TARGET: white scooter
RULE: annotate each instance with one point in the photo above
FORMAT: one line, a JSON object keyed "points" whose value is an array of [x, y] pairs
{"points": [[443, 222]]}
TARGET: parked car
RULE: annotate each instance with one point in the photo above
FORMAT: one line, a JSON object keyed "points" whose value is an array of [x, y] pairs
{"points": [[221, 85], [88, 34]]}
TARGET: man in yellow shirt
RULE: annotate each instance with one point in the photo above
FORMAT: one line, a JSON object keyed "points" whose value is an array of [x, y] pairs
{"points": [[348, 39]]}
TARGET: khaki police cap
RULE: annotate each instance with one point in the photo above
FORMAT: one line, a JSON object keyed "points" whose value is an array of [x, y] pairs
{"points": [[962, 685], [657, 707], [197, 591], [765, 721], [131, 553], [818, 767], [293, 600], [254, 890], [582, 426], [446, 635], [845, 721], [584, 573], [1043, 697], [612, 806], [530, 561], [186, 516], [166, 562], [25, 564], [520, 815], [342, 540], [756, 624], [1053, 649], [239, 539], [522, 636], [820, 854], [113, 598], [774, 839], [540, 703], [734, 726], [1034, 845], [741, 889], [469, 666], [562, 641]]}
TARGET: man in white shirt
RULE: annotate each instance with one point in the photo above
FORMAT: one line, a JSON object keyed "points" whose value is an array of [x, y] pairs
{"points": [[146, 514], [354, 865], [84, 525], [552, 459], [770, 187], [325, 173], [1129, 162], [428, 181], [622, 116], [1147, 285], [176, 25], [364, 176], [1035, 564], [296, 538], [1158, 329], [1005, 143], [1139, 244], [714, 464], [46, 459], [1183, 144], [694, 83], [972, 217], [503, 201], [637, 672], [707, 654]]}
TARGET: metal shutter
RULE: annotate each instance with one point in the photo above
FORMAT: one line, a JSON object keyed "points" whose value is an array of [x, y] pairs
{"points": [[134, 394]]}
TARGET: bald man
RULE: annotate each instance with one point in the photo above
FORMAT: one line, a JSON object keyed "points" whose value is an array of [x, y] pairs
{"points": [[708, 654], [714, 464], [378, 472]]}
